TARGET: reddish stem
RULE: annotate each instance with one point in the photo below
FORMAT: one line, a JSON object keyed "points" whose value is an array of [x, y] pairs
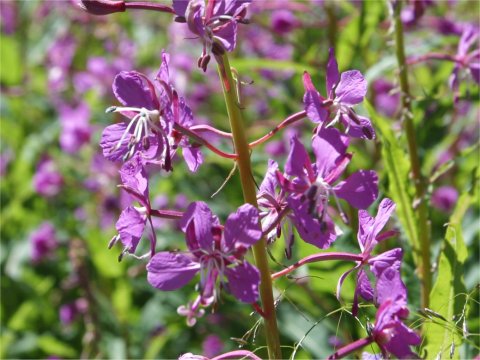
{"points": [[166, 214], [318, 257], [288, 121], [350, 348], [211, 129], [258, 309], [432, 56], [144, 5], [202, 141]]}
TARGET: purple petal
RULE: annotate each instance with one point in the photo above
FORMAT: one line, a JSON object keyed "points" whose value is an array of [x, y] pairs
{"points": [[134, 176], [227, 35], [360, 189], [312, 230], [297, 160], [111, 135], [170, 271], [130, 227], [365, 224], [328, 146], [313, 101], [197, 224], [193, 157], [402, 337], [270, 182], [180, 7], [364, 287], [385, 210], [363, 130], [242, 228], [333, 75], [130, 90], [352, 88], [243, 281]]}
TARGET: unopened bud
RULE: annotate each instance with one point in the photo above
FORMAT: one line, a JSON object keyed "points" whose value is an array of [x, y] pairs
{"points": [[102, 7]]}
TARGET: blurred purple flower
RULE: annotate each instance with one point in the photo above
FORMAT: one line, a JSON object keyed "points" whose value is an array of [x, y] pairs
{"points": [[465, 59], [414, 10], [76, 130], [444, 198], [8, 14], [383, 266], [70, 311], [212, 346], [312, 185], [213, 252], [59, 60], [344, 91], [43, 242], [47, 181], [283, 21], [385, 101]]}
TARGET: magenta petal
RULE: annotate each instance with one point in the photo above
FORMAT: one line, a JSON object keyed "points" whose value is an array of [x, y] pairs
{"points": [[197, 224], [363, 130], [270, 182], [130, 90], [243, 281], [180, 6], [402, 337], [365, 224], [385, 210], [364, 287], [333, 75], [312, 230], [242, 228], [134, 176], [352, 88], [193, 157], [313, 101], [360, 189], [297, 159], [111, 135], [328, 146], [227, 35], [130, 227], [170, 271]]}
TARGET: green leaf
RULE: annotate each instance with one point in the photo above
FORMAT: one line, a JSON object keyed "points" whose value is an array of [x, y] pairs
{"points": [[50, 345], [397, 166], [448, 295], [10, 71]]}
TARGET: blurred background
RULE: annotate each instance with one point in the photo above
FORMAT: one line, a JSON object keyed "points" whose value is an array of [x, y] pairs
{"points": [[64, 294]]}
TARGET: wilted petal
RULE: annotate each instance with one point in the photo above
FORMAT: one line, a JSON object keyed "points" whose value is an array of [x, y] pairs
{"points": [[170, 271], [130, 227], [328, 146], [333, 75], [313, 101], [130, 90], [352, 88], [242, 228], [360, 189], [243, 282]]}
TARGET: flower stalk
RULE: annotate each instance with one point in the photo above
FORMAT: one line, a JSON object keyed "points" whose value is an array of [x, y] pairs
{"points": [[418, 179], [250, 196]]}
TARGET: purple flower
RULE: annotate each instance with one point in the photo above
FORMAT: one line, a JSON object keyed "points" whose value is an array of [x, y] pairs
{"points": [[444, 198], [385, 267], [43, 241], [132, 221], [214, 252], [466, 60], [343, 92], [313, 185], [60, 57], [47, 181], [212, 346], [70, 311], [386, 102], [76, 130], [390, 333], [215, 23], [283, 21], [414, 10]]}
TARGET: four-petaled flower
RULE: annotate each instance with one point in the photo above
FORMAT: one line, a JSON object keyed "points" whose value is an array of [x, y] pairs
{"points": [[385, 266], [214, 251], [312, 185], [343, 92]]}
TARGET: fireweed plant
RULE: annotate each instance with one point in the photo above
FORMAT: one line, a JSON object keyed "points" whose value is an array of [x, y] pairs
{"points": [[309, 197]]}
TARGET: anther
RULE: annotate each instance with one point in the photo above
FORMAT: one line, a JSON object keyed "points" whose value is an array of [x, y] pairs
{"points": [[111, 109]]}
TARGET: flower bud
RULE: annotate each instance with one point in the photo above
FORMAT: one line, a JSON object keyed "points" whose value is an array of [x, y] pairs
{"points": [[102, 7]]}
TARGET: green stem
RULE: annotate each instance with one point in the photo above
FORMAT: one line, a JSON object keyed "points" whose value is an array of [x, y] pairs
{"points": [[419, 181], [249, 193]]}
